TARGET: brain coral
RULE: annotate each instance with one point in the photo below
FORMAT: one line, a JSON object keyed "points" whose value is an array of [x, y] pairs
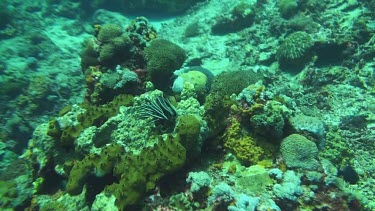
{"points": [[299, 152]]}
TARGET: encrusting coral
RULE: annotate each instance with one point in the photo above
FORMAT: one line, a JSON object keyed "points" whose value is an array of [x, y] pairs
{"points": [[66, 135], [242, 144], [136, 173]]}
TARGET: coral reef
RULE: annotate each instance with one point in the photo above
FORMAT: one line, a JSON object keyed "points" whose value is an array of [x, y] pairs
{"points": [[113, 60], [258, 105], [87, 130]]}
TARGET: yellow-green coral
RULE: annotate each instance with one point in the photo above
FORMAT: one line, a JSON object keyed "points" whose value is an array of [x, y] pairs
{"points": [[242, 145], [54, 206], [167, 156], [96, 164], [337, 149], [136, 173]]}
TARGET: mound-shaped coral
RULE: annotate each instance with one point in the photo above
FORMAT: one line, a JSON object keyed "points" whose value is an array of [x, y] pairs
{"points": [[295, 51], [233, 82], [196, 78], [299, 152], [163, 58]]}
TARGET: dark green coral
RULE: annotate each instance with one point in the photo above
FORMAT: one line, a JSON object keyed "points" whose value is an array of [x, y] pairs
{"points": [[288, 8], [241, 17], [295, 50], [163, 58], [233, 82]]}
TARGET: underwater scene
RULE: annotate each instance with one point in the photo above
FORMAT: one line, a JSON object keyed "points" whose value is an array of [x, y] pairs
{"points": [[187, 105]]}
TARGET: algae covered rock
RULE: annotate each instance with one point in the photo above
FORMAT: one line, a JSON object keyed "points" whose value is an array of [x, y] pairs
{"points": [[253, 179], [312, 127], [240, 17], [12, 86]]}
